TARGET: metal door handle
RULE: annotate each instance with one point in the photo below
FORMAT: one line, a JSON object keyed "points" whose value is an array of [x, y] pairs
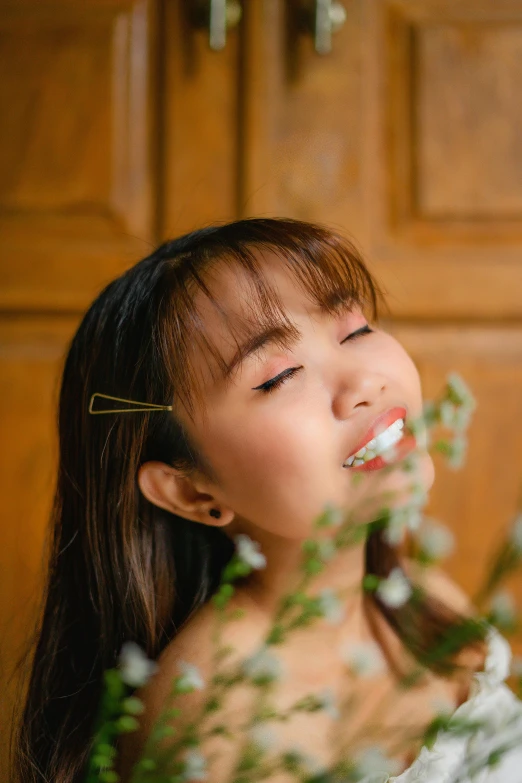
{"points": [[321, 18], [217, 16]]}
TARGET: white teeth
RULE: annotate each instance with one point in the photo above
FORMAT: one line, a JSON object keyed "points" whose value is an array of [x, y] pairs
{"points": [[376, 446]]}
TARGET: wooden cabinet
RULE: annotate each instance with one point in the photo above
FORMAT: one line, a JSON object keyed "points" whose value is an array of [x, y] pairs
{"points": [[120, 127]]}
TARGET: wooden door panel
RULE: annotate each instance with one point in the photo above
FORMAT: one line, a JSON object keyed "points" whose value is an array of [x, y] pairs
{"points": [[76, 179]]}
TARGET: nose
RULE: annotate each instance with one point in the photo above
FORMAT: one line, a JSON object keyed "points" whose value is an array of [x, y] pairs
{"points": [[357, 389]]}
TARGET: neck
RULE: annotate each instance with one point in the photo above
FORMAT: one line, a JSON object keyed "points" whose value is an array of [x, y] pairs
{"points": [[283, 573]]}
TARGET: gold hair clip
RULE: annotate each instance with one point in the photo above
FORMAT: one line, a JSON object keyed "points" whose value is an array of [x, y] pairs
{"points": [[147, 406]]}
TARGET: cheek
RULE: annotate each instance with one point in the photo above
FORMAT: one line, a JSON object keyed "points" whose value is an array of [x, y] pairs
{"points": [[265, 467], [402, 368], [275, 445]]}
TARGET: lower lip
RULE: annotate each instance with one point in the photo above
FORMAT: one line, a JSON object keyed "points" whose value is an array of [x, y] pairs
{"points": [[401, 449]]}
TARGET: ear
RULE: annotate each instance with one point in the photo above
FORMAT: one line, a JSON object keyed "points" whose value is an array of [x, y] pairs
{"points": [[173, 490]]}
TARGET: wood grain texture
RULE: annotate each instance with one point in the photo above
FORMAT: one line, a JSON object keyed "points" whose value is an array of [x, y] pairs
{"points": [[468, 114], [445, 98], [198, 148], [76, 192]]}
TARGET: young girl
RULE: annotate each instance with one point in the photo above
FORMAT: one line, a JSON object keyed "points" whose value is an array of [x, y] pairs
{"points": [[247, 370]]}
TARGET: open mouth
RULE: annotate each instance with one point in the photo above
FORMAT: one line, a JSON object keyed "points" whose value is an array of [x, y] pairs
{"points": [[381, 446]]}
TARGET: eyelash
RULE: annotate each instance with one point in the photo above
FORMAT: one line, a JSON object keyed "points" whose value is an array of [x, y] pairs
{"points": [[275, 383]]}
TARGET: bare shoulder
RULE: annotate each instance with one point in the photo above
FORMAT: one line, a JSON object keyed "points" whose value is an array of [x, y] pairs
{"points": [[195, 645]]}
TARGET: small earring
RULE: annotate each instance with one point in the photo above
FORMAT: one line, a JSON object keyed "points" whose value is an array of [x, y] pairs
{"points": [[215, 513]]}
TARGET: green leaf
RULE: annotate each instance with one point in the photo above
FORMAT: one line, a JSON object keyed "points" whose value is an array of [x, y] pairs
{"points": [[314, 566], [276, 635], [133, 705], [370, 582], [126, 723], [109, 776], [147, 764]]}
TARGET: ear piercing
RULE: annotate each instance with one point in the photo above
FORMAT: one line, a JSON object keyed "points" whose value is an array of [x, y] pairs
{"points": [[215, 513]]}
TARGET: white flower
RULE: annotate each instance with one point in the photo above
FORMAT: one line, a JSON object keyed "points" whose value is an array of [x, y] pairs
{"points": [[503, 608], [328, 703], [364, 659], [374, 766], [135, 667], [326, 550], [191, 676], [248, 552], [454, 417], [331, 608], [419, 496], [516, 533], [394, 531], [457, 453], [401, 519], [195, 766], [411, 463], [435, 540], [263, 666], [395, 590], [429, 412], [413, 518], [459, 392], [332, 516], [263, 736]]}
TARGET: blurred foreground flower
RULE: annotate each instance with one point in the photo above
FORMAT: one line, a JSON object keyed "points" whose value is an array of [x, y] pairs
{"points": [[263, 667], [435, 541], [395, 590], [373, 766], [503, 610], [363, 659], [459, 392], [135, 667], [330, 606], [195, 766], [249, 553], [191, 678]]}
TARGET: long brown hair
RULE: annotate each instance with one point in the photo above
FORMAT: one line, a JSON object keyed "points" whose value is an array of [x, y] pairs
{"points": [[121, 568]]}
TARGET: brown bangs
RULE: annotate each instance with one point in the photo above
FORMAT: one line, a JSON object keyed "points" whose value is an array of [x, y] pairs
{"points": [[327, 267]]}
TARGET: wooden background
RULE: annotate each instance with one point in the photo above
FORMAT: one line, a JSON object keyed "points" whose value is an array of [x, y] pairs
{"points": [[120, 127]]}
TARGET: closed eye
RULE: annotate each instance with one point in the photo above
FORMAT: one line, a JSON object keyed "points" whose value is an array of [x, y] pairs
{"points": [[353, 336], [275, 383]]}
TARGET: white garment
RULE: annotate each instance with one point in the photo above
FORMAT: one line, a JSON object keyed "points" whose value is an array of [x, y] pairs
{"points": [[453, 758]]}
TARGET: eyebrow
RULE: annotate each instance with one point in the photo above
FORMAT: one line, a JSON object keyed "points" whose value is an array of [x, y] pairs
{"points": [[282, 334]]}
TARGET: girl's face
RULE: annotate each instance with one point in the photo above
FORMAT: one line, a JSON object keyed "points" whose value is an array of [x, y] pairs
{"points": [[278, 448]]}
